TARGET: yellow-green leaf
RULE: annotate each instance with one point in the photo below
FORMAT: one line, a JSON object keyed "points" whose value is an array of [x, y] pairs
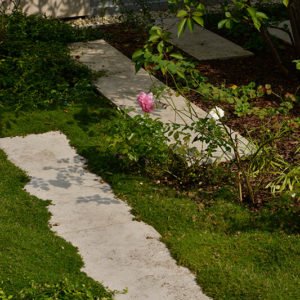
{"points": [[190, 24], [181, 27], [182, 13], [198, 20]]}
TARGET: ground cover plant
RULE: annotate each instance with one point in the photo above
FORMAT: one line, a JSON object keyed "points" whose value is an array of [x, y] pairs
{"points": [[236, 251]]}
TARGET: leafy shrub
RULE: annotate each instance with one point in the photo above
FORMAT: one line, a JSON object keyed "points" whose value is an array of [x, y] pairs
{"points": [[19, 27], [37, 28], [138, 141], [36, 70], [37, 76]]}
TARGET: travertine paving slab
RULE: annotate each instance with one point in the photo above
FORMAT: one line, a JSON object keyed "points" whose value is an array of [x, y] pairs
{"points": [[116, 250], [121, 84], [280, 34], [202, 43]]}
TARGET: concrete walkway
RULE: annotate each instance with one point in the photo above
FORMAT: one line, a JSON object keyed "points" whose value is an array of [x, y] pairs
{"points": [[280, 34], [202, 43], [116, 250]]}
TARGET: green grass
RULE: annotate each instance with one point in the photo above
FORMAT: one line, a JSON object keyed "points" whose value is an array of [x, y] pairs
{"points": [[28, 249], [235, 253]]}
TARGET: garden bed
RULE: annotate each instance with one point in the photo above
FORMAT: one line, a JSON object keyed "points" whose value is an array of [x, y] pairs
{"points": [[259, 69]]}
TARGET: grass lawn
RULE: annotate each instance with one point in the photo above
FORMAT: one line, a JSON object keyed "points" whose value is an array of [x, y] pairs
{"points": [[235, 252]]}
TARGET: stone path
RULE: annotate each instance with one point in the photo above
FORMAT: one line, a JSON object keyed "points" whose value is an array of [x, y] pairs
{"points": [[202, 43], [118, 251], [280, 34]]}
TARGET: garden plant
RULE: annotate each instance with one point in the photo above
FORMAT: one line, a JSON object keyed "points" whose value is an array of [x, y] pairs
{"points": [[235, 224]]}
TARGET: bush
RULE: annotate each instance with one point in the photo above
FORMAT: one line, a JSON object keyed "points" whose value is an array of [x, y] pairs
{"points": [[36, 70], [138, 141]]}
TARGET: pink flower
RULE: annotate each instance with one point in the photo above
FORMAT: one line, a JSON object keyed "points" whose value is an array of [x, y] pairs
{"points": [[146, 101]]}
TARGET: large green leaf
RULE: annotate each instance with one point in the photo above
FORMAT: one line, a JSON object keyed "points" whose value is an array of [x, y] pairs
{"points": [[182, 13], [137, 54], [198, 20], [181, 27], [190, 24]]}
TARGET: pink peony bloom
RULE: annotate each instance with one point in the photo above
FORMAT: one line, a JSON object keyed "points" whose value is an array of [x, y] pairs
{"points": [[146, 101]]}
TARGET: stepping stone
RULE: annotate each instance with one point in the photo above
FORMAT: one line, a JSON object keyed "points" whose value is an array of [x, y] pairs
{"points": [[121, 84], [116, 250], [202, 43], [280, 34]]}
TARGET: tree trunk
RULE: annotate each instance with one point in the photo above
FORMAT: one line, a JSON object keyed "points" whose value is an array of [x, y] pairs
{"points": [[294, 16]]}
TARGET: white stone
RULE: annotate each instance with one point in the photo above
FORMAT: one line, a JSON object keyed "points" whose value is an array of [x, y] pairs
{"points": [[202, 43], [280, 34]]}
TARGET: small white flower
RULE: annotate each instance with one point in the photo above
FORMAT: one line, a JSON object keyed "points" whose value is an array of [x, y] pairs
{"points": [[216, 113]]}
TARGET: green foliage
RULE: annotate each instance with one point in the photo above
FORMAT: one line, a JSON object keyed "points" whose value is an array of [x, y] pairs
{"points": [[64, 290], [189, 12], [37, 28], [138, 141], [4, 296], [242, 11], [39, 76], [297, 62], [269, 168], [36, 70], [159, 55]]}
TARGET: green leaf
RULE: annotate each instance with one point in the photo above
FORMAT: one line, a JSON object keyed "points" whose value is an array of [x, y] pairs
{"points": [[182, 13], [261, 15], [227, 14], [177, 55], [190, 24], [153, 38], [172, 68], [285, 2], [201, 7], [198, 20], [257, 23], [222, 23], [252, 12], [228, 24], [297, 62], [198, 13], [155, 29], [160, 47], [181, 27], [138, 66], [137, 54], [180, 74]]}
